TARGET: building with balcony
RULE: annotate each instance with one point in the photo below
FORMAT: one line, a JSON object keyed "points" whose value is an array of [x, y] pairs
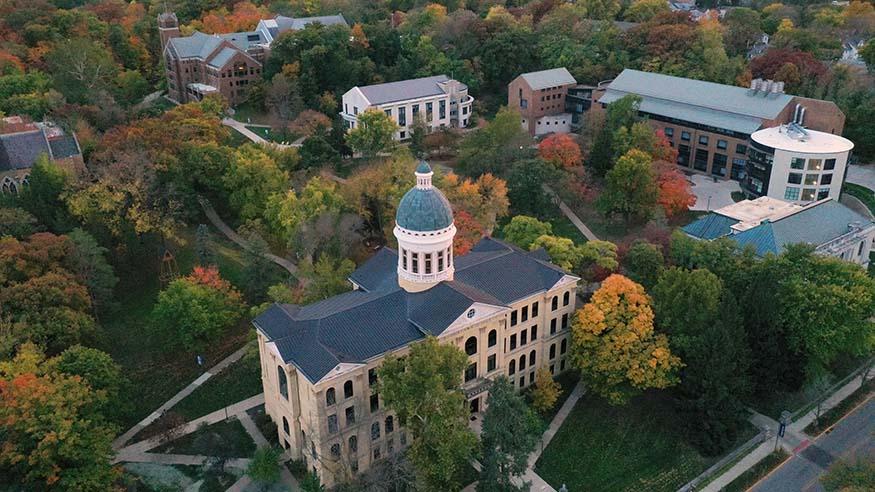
{"points": [[226, 64], [768, 225], [509, 310], [711, 124], [792, 163], [439, 100]]}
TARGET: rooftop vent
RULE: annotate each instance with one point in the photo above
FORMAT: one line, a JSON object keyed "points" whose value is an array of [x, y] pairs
{"points": [[796, 132], [755, 85]]}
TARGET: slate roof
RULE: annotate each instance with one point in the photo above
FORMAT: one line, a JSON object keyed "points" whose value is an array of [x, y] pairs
{"points": [[548, 78], [223, 57], [816, 224], [286, 23], [198, 45], [710, 227], [64, 146], [734, 108], [379, 317], [405, 89], [243, 40], [20, 150]]}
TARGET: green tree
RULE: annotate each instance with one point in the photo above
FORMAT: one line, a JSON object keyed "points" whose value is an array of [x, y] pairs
{"points": [[326, 278], [614, 345], [685, 303], [53, 437], [602, 9], [620, 113], [418, 132], [88, 261], [42, 196], [644, 10], [374, 133], [563, 252], [643, 263], [252, 177], [867, 53], [423, 389], [264, 467], [101, 373], [525, 187], [17, 222], [258, 272], [523, 230], [287, 212], [850, 476], [204, 246], [510, 433], [317, 151], [630, 189], [496, 147], [598, 257], [81, 68], [311, 483]]}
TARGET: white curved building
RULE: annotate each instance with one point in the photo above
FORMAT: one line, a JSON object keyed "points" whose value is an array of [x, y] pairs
{"points": [[796, 164]]}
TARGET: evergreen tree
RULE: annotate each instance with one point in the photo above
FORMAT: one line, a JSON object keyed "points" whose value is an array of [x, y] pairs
{"points": [[510, 433], [204, 246]]}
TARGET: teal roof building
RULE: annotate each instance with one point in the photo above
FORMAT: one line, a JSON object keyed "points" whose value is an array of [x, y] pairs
{"points": [[424, 208]]}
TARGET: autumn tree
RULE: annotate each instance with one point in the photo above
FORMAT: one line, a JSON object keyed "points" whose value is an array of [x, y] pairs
{"points": [[251, 179], [423, 389], [675, 194], [374, 133], [630, 188], [374, 192], [546, 391], [614, 344], [468, 232], [561, 150], [287, 212], [598, 260], [53, 437], [562, 251], [194, 310], [523, 230], [644, 10], [484, 198], [17, 222], [510, 433]]}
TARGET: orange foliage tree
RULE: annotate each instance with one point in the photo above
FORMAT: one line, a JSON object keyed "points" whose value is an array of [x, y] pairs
{"points": [[561, 150], [485, 198], [468, 232], [244, 17], [675, 192]]}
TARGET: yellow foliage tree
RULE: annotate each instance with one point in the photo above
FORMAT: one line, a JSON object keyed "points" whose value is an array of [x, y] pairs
{"points": [[614, 345], [546, 391]]}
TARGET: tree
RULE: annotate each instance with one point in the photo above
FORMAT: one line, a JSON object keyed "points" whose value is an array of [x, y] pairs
{"points": [[644, 10], [510, 433], [88, 261], [423, 390], [675, 194], [100, 372], [867, 53], [287, 212], [196, 309], [620, 113], [598, 259], [283, 98], [523, 230], [81, 68], [258, 272], [561, 150], [53, 439], [326, 278], [643, 263], [850, 476], [264, 467], [374, 133], [17, 222], [630, 187], [316, 151], [204, 246], [310, 123], [496, 147], [468, 232], [546, 391], [614, 345], [311, 483], [252, 177], [526, 187], [685, 303], [418, 132], [42, 195], [485, 198], [562, 251]]}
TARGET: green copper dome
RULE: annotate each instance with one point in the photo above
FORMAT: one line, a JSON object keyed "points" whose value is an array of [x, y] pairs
{"points": [[424, 210], [423, 167]]}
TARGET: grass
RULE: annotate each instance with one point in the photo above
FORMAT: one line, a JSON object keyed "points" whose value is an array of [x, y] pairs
{"points": [[265, 424], [618, 448], [236, 139], [272, 135], [567, 380], [862, 193], [227, 438], [563, 227], [836, 413], [238, 382], [756, 472], [247, 113]]}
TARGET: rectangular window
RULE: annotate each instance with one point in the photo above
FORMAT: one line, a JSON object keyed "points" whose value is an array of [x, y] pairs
{"points": [[429, 111], [535, 309], [797, 163], [808, 194], [669, 132], [791, 193], [525, 313], [427, 263], [523, 337], [375, 402], [553, 326], [350, 415], [722, 144], [823, 193], [685, 136], [815, 164], [372, 377], [794, 178], [415, 111], [471, 372], [332, 424], [440, 265], [513, 342], [683, 155], [442, 109], [829, 164], [531, 377], [565, 321], [513, 318], [490, 363], [403, 258], [402, 116], [355, 110], [811, 179], [718, 165], [703, 140], [701, 160], [389, 112], [826, 179], [534, 333], [415, 259]]}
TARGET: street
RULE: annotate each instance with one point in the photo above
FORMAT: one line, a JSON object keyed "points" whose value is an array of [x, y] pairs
{"points": [[852, 436]]}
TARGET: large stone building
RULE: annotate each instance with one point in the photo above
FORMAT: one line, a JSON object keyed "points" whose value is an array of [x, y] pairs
{"points": [[508, 309], [203, 64], [22, 142], [540, 98], [768, 225], [439, 100], [711, 124]]}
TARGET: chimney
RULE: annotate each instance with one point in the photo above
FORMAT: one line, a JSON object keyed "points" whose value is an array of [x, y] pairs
{"points": [[755, 84]]}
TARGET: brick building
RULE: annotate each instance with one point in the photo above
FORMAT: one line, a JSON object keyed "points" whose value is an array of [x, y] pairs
{"points": [[203, 64], [22, 142], [540, 98]]}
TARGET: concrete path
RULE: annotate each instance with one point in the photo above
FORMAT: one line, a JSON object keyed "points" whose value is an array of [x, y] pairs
{"points": [[587, 233], [120, 441], [246, 132], [855, 204], [862, 175], [185, 459], [711, 195], [217, 221]]}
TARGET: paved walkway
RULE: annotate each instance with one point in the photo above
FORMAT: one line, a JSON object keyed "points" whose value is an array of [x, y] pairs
{"points": [[587, 233], [121, 440], [862, 175], [184, 459], [246, 132], [711, 195], [217, 221]]}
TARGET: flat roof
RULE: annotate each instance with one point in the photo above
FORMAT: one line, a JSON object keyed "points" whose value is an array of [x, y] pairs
{"points": [[812, 142], [750, 213]]}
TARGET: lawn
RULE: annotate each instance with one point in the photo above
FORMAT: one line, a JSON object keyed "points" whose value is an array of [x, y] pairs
{"points": [[238, 382], [623, 448], [227, 438], [247, 113], [562, 226], [155, 371], [567, 380], [747, 479], [236, 139], [862, 193], [272, 135]]}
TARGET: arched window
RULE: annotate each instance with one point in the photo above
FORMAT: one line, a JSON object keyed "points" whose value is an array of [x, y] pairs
{"points": [[353, 444], [329, 397], [285, 425], [563, 346], [554, 304], [511, 368], [390, 424], [566, 297], [375, 431], [492, 338], [347, 389], [335, 450], [522, 362], [532, 358], [471, 345], [552, 351], [283, 382]]}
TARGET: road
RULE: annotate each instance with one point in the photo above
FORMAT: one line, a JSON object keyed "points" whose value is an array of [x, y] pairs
{"points": [[852, 436]]}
